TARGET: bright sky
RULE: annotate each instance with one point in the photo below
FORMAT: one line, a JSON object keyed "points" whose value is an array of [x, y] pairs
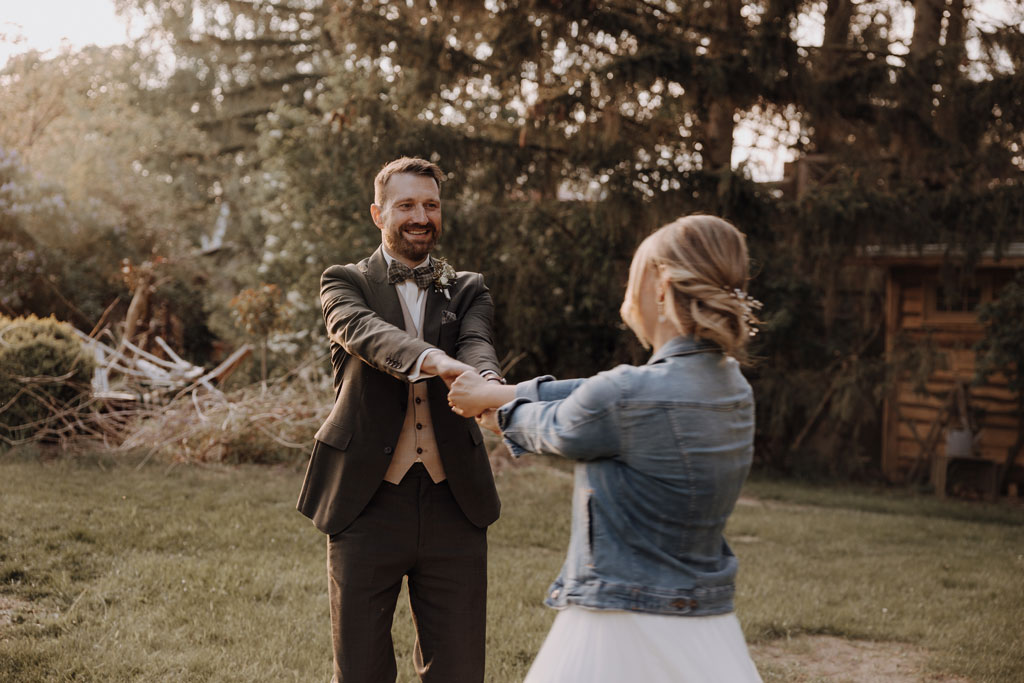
{"points": [[46, 24]]}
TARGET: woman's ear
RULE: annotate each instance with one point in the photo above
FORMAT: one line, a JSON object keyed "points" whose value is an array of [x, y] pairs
{"points": [[661, 284]]}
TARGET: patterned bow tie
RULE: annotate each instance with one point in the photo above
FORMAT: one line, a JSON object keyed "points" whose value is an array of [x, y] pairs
{"points": [[399, 272]]}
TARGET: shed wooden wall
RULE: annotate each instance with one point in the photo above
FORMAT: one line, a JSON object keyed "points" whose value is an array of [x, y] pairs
{"points": [[908, 313]]}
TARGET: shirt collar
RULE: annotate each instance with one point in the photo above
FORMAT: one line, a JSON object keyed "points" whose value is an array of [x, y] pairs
{"points": [[681, 346]]}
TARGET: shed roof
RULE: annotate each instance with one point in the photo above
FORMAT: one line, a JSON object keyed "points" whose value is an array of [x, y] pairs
{"points": [[1011, 255]]}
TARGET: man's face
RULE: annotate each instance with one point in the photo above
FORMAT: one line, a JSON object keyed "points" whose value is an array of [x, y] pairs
{"points": [[410, 218]]}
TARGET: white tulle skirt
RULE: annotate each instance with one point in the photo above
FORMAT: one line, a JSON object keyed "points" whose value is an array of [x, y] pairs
{"points": [[594, 646]]}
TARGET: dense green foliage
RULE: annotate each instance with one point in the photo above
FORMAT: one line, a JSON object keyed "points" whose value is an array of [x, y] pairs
{"points": [[1003, 348], [44, 371], [568, 130]]}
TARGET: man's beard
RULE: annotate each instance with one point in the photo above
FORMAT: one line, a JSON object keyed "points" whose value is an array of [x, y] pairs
{"points": [[399, 245]]}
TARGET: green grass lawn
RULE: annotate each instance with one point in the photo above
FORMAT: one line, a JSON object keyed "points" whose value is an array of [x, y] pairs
{"points": [[112, 573]]}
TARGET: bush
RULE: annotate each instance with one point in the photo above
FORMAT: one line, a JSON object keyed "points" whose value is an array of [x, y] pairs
{"points": [[44, 374]]}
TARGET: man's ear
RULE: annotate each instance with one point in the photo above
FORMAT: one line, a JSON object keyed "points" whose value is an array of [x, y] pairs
{"points": [[375, 214]]}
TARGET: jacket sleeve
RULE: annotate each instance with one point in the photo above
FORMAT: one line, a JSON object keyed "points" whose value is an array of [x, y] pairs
{"points": [[476, 342], [360, 330], [582, 426]]}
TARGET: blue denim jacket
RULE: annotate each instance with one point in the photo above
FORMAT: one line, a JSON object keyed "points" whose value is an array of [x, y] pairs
{"points": [[663, 450]]}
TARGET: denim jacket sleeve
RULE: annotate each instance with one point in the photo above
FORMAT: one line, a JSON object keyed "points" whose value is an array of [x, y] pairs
{"points": [[546, 388], [572, 418]]}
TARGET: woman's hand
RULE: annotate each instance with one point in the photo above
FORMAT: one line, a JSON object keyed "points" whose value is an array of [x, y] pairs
{"points": [[489, 420], [469, 395]]}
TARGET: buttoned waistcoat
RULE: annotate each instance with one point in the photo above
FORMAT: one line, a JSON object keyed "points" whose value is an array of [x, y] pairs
{"points": [[371, 355]]}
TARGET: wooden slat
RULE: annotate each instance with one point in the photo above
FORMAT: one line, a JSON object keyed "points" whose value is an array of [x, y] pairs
{"points": [[1000, 421], [941, 386], [917, 413], [943, 335], [991, 445], [905, 432], [912, 305], [992, 437], [993, 389], [907, 448], [890, 406], [911, 292], [908, 453], [926, 415]]}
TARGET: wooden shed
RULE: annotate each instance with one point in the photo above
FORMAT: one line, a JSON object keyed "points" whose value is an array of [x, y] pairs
{"points": [[956, 433]]}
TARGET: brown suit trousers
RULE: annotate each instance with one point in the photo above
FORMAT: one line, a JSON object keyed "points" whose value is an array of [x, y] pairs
{"points": [[414, 529]]}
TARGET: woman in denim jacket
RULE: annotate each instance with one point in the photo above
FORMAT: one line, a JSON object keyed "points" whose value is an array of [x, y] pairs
{"points": [[646, 591]]}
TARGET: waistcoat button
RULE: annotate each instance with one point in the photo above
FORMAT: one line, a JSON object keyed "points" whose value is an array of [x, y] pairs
{"points": [[387, 450]]}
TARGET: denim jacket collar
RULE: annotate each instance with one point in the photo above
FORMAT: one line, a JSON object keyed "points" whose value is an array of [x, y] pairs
{"points": [[683, 345]]}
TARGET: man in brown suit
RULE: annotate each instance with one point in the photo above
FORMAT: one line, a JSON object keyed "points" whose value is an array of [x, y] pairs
{"points": [[399, 483]]}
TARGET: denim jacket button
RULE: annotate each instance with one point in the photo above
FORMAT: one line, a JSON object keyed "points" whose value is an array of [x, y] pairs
{"points": [[681, 603]]}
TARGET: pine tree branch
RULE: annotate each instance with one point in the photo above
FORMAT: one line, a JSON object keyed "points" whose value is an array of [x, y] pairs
{"points": [[268, 8], [209, 39]]}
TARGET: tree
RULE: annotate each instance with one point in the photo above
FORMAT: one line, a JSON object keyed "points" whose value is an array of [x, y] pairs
{"points": [[585, 124], [259, 312], [571, 129], [120, 185]]}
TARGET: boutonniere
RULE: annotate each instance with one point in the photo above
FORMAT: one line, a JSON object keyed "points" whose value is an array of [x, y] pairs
{"points": [[444, 276]]}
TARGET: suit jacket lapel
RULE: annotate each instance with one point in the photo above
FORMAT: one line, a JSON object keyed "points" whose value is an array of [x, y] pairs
{"points": [[385, 295]]}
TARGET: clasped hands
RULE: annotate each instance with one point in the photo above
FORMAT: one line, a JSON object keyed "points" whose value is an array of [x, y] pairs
{"points": [[470, 394]]}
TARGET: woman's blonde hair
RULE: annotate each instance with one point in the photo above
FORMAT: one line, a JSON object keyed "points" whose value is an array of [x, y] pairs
{"points": [[703, 261]]}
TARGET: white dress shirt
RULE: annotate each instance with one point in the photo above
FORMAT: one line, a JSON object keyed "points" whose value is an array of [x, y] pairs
{"points": [[415, 299]]}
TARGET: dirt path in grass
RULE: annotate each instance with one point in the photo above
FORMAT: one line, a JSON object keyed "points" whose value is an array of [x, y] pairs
{"points": [[810, 659], [16, 611]]}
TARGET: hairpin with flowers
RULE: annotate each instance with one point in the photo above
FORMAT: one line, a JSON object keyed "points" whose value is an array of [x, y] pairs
{"points": [[750, 305]]}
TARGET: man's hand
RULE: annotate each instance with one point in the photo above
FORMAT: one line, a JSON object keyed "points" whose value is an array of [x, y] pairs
{"points": [[469, 396], [472, 395], [444, 366]]}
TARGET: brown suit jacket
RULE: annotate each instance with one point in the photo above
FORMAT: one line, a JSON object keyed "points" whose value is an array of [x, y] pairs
{"points": [[372, 355]]}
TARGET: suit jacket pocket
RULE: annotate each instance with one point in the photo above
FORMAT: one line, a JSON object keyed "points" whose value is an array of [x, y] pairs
{"points": [[448, 338], [333, 435]]}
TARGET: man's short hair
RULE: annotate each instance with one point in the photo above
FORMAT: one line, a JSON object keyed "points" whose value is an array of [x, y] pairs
{"points": [[413, 165]]}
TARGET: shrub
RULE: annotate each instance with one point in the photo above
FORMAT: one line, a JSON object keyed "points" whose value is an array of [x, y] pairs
{"points": [[44, 374]]}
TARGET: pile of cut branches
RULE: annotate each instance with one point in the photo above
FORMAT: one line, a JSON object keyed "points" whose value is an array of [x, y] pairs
{"points": [[250, 425]]}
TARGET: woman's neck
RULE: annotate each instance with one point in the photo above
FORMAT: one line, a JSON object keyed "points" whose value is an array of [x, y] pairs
{"points": [[664, 332]]}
